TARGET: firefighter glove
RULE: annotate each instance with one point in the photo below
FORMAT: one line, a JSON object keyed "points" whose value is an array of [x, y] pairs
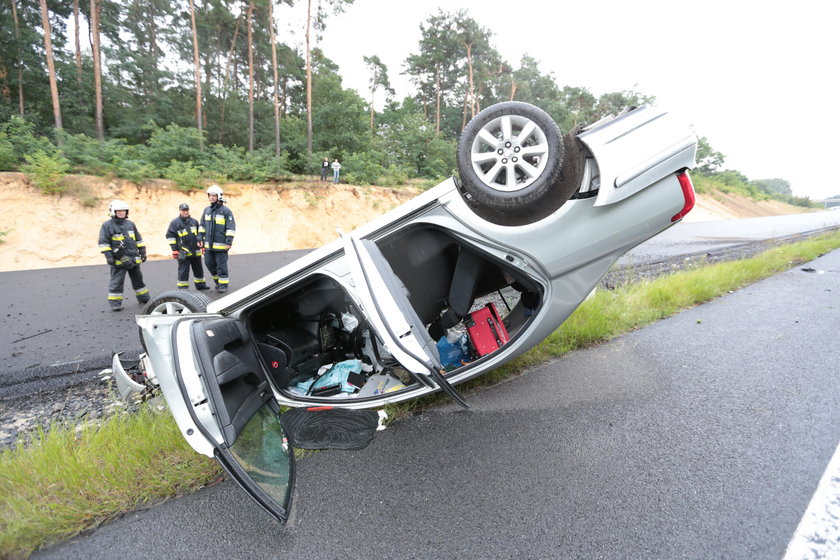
{"points": [[143, 258], [109, 259]]}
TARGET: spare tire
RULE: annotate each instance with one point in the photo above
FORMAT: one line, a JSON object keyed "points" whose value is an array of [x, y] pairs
{"points": [[510, 159]]}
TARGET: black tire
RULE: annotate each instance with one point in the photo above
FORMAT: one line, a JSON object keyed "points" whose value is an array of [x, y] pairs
{"points": [[174, 302], [518, 179], [177, 301]]}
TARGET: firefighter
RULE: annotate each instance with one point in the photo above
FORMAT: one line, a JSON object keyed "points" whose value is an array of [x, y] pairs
{"points": [[124, 250], [182, 237], [216, 229]]}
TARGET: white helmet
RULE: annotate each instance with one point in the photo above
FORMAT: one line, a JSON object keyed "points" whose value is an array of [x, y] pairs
{"points": [[217, 190], [117, 205]]}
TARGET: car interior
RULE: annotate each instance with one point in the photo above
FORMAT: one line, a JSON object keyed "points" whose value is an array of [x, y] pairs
{"points": [[314, 328]]}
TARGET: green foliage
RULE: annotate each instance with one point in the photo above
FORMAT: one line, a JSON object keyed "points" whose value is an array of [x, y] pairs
{"points": [[366, 168], [175, 143], [185, 175], [8, 157], [72, 478], [708, 160], [135, 170], [237, 164], [46, 171], [774, 186], [21, 139]]}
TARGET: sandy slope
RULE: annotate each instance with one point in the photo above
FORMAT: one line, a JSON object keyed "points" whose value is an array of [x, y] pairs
{"points": [[55, 231]]}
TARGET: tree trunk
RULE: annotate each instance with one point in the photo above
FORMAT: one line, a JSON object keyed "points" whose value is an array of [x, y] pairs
{"points": [[95, 10], [196, 63], [19, 61], [472, 83], [153, 44], [45, 20], [77, 41], [276, 80], [308, 82], [437, 100], [227, 79], [250, 78], [371, 109]]}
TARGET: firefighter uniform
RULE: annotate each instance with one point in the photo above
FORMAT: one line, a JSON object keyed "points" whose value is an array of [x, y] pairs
{"points": [[124, 250], [182, 236], [216, 229]]}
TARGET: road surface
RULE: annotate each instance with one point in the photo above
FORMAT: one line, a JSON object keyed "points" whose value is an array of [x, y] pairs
{"points": [[705, 435]]}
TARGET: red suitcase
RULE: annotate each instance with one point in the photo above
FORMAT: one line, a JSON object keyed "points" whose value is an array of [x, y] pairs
{"points": [[486, 330]]}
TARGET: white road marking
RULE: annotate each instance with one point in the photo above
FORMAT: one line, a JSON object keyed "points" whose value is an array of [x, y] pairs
{"points": [[818, 533]]}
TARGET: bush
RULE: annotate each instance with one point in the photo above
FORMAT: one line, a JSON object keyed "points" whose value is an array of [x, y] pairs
{"points": [[362, 168], [21, 135], [185, 176], [46, 171], [175, 143], [235, 164], [8, 158], [86, 154], [135, 170]]}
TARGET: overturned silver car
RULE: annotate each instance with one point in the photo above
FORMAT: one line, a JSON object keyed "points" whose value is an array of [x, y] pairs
{"points": [[456, 282]]}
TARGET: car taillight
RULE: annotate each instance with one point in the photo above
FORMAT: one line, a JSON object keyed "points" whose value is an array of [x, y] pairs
{"points": [[688, 195]]}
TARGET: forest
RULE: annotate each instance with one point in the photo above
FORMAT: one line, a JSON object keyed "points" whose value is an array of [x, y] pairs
{"points": [[207, 90]]}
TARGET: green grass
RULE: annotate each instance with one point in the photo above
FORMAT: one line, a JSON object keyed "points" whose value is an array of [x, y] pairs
{"points": [[73, 478]]}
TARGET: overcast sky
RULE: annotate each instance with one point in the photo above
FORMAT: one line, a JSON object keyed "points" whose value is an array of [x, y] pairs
{"points": [[758, 79]]}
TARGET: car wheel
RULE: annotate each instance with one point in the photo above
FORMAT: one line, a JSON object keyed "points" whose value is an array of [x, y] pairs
{"points": [[510, 159], [177, 301], [174, 302]]}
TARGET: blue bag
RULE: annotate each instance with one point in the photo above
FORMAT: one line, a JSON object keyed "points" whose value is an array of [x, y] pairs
{"points": [[453, 354]]}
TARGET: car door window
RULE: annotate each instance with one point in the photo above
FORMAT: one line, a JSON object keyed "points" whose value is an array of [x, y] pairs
{"points": [[252, 445]]}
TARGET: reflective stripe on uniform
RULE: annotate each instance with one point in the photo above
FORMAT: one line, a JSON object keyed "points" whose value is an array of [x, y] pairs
{"points": [[115, 297], [141, 291], [221, 246]]}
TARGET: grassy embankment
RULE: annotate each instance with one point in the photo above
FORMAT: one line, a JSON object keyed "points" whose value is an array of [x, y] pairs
{"points": [[73, 478]]}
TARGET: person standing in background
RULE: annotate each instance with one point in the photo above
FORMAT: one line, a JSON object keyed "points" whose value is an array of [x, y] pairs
{"points": [[325, 168], [216, 230], [124, 250], [182, 236], [336, 167]]}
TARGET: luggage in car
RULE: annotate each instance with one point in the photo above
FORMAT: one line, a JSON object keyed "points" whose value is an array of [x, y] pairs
{"points": [[485, 329]]}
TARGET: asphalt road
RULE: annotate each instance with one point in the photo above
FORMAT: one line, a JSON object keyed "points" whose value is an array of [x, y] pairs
{"points": [[58, 330], [701, 436]]}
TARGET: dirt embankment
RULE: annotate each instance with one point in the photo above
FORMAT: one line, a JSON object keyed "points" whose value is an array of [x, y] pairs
{"points": [[55, 231]]}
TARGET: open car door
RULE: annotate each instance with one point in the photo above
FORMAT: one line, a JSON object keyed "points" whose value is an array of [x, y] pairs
{"points": [[211, 375], [386, 304]]}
